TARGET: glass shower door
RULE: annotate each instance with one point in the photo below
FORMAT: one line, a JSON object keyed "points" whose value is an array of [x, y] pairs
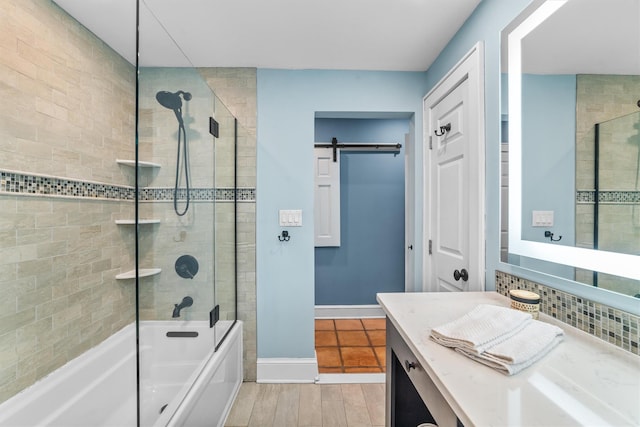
{"points": [[225, 224], [176, 217]]}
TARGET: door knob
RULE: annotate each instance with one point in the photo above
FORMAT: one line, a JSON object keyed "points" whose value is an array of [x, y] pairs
{"points": [[462, 274]]}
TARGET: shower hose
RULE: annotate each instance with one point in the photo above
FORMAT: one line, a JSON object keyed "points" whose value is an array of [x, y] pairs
{"points": [[182, 141]]}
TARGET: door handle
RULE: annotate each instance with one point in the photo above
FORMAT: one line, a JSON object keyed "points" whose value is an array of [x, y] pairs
{"points": [[462, 274], [410, 365]]}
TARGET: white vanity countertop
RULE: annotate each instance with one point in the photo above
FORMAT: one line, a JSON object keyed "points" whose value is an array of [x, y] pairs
{"points": [[582, 381]]}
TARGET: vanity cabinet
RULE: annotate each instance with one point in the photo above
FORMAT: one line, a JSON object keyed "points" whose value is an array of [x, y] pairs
{"points": [[411, 397], [582, 381]]}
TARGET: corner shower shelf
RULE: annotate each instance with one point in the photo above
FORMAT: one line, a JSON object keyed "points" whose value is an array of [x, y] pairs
{"points": [[132, 163], [133, 221], [144, 272]]}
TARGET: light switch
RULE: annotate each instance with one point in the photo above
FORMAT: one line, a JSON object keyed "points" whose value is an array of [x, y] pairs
{"points": [[542, 219], [290, 218]]}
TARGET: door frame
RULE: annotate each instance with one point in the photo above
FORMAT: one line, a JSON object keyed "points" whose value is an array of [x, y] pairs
{"points": [[470, 67], [410, 237]]}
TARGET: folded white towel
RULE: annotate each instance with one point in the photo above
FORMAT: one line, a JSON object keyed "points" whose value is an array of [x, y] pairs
{"points": [[521, 350], [481, 328], [526, 344]]}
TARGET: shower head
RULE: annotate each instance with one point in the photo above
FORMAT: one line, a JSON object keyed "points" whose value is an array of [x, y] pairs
{"points": [[173, 102]]}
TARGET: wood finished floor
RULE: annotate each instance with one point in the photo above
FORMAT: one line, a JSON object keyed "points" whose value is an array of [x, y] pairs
{"points": [[326, 405]]}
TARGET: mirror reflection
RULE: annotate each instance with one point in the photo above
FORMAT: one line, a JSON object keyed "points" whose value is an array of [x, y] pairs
{"points": [[580, 135]]}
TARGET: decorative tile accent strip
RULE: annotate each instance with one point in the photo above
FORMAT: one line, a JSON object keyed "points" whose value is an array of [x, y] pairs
{"points": [[24, 184], [620, 197], [617, 327], [198, 194], [585, 196], [18, 183]]}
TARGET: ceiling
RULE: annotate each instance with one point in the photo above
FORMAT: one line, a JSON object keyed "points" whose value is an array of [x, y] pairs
{"points": [[401, 35], [586, 37], [582, 37]]}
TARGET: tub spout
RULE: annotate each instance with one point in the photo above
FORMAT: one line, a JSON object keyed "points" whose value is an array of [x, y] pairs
{"points": [[186, 302]]}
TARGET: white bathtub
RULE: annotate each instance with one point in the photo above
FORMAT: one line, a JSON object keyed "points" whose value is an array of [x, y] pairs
{"points": [[196, 384]]}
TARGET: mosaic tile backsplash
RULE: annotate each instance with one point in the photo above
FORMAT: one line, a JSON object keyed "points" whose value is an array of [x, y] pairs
{"points": [[25, 184], [617, 327]]}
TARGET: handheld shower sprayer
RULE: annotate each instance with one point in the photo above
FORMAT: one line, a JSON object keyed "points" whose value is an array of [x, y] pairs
{"points": [[172, 101]]}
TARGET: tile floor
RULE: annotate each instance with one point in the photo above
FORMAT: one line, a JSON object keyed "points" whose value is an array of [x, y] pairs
{"points": [[350, 345]]}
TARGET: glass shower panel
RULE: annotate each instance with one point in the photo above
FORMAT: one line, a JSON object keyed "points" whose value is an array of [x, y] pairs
{"points": [[617, 208], [176, 222], [63, 124]]}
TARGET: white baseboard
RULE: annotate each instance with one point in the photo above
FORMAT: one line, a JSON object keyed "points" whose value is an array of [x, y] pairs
{"points": [[348, 311], [287, 370]]}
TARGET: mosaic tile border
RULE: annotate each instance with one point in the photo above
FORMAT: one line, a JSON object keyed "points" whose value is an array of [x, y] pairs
{"points": [[621, 197], [15, 183], [222, 194], [614, 326], [23, 184]]}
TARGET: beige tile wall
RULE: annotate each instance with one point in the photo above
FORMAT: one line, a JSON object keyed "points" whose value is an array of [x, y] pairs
{"points": [[67, 110], [59, 258], [68, 99]]}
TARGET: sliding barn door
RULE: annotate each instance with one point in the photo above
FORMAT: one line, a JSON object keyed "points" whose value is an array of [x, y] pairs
{"points": [[327, 197]]}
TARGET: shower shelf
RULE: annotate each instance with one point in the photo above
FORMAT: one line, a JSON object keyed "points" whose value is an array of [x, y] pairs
{"points": [[144, 272], [133, 221], [132, 163]]}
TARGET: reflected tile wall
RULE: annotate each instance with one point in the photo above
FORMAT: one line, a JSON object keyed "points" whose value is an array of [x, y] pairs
{"points": [[601, 98]]}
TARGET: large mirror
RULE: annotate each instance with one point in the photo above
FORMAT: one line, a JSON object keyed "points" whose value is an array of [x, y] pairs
{"points": [[571, 71]]}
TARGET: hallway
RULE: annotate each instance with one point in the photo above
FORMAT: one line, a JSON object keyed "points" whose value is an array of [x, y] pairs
{"points": [[350, 345]]}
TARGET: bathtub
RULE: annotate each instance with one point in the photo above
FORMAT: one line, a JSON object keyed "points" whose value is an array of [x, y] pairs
{"points": [[183, 381]]}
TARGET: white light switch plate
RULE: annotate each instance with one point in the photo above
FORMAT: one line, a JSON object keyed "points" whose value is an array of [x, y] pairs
{"points": [[290, 218], [542, 219]]}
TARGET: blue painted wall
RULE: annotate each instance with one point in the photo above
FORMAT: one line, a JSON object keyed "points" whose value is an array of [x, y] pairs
{"points": [[287, 105], [548, 150], [370, 258]]}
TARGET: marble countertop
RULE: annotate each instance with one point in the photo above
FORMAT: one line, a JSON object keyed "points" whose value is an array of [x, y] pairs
{"points": [[582, 381]]}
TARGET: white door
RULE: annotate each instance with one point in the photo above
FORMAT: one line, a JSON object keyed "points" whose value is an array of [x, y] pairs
{"points": [[409, 209], [326, 198], [454, 179]]}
